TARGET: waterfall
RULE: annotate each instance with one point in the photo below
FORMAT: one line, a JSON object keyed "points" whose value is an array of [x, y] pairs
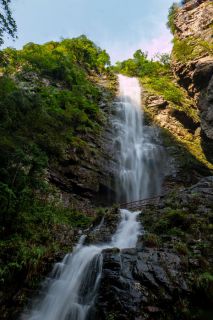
{"points": [[139, 155], [73, 285], [73, 288]]}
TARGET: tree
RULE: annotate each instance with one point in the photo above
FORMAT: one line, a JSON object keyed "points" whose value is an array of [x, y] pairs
{"points": [[7, 23], [139, 55], [171, 17], [164, 58], [103, 60]]}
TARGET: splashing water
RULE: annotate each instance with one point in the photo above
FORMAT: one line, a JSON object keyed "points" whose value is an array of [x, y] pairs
{"points": [[73, 290]]}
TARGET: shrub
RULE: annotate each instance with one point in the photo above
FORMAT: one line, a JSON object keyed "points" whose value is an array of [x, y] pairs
{"points": [[151, 240], [165, 87], [181, 248], [183, 50], [204, 284], [176, 218], [191, 48], [171, 16]]}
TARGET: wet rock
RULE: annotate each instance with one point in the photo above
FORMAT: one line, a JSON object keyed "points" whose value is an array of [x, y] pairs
{"points": [[153, 309], [135, 283], [102, 233], [204, 186]]}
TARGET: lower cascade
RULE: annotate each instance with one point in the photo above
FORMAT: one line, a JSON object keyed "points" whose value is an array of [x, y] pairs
{"points": [[72, 290]]}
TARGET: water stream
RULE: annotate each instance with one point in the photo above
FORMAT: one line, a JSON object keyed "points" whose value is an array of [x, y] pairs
{"points": [[73, 287], [137, 147]]}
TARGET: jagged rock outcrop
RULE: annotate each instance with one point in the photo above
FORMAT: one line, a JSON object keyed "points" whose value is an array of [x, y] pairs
{"points": [[169, 271], [139, 284], [180, 136], [194, 19], [193, 61], [87, 174]]}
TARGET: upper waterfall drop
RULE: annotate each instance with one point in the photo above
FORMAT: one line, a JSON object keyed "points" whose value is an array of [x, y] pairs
{"points": [[139, 154]]}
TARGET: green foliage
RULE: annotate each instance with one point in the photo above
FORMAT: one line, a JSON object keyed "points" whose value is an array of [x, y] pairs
{"points": [[111, 316], [63, 60], [182, 49], [205, 285], [174, 221], [164, 58], [155, 75], [7, 23], [151, 240], [141, 66], [182, 248], [171, 16], [49, 103], [188, 49], [167, 88], [34, 235]]}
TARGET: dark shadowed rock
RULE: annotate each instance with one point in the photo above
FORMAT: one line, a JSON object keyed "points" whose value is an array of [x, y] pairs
{"points": [[136, 284]]}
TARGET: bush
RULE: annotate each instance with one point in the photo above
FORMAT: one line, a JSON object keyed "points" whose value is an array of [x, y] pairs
{"points": [[183, 50], [151, 240], [182, 248], [177, 218], [204, 284], [191, 48], [171, 16], [165, 87]]}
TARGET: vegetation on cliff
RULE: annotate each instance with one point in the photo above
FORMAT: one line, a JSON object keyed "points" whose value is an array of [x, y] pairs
{"points": [[171, 17], [49, 105], [156, 76], [158, 80], [168, 102], [193, 44], [183, 223]]}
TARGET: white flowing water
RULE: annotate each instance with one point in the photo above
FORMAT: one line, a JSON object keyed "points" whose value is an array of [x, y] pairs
{"points": [[73, 286], [139, 155], [73, 289]]}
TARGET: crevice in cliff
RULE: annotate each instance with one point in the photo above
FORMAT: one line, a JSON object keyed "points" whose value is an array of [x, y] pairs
{"points": [[192, 62]]}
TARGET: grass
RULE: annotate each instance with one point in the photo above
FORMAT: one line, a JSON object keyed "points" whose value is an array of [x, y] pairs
{"points": [[165, 87], [191, 151], [191, 48]]}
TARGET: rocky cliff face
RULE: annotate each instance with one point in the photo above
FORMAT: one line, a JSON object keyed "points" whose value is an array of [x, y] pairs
{"points": [[193, 61], [169, 271], [87, 174]]}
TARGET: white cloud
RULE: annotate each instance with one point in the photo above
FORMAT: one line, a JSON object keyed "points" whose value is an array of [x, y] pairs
{"points": [[159, 44], [162, 44]]}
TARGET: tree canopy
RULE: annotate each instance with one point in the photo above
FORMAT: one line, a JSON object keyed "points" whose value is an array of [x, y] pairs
{"points": [[7, 23]]}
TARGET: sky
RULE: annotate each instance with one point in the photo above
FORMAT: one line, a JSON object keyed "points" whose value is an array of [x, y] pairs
{"points": [[119, 26]]}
